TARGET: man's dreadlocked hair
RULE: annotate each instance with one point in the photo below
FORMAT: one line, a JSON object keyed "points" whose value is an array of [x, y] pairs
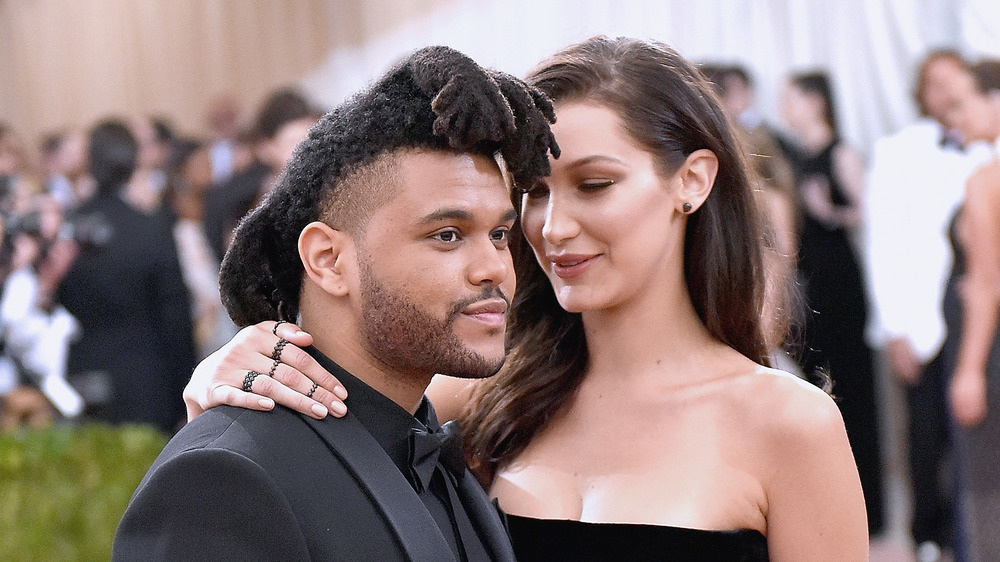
{"points": [[438, 99]]}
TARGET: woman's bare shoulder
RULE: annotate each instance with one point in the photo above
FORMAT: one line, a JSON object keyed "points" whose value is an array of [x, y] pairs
{"points": [[785, 409]]}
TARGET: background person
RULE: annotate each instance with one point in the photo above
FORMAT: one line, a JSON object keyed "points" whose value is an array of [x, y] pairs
{"points": [[916, 182], [972, 311], [130, 284], [831, 183]]}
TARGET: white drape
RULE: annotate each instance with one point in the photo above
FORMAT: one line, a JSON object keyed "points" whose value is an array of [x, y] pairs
{"points": [[870, 47]]}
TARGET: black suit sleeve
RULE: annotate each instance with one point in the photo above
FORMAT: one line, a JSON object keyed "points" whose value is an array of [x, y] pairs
{"points": [[209, 504]]}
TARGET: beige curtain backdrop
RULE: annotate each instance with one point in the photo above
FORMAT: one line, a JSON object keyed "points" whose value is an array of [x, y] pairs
{"points": [[71, 62]]}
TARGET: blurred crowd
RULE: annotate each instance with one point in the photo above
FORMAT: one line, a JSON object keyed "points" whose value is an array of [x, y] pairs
{"points": [[898, 255], [113, 236]]}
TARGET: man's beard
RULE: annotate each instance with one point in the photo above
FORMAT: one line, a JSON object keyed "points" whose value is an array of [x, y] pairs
{"points": [[407, 339]]}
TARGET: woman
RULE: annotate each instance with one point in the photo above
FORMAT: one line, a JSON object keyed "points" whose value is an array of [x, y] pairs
{"points": [[635, 417], [830, 177], [972, 311]]}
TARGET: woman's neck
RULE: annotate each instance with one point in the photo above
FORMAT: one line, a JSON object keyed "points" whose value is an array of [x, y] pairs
{"points": [[661, 332]]}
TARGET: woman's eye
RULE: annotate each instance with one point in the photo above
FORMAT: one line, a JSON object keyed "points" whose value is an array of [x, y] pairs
{"points": [[595, 185]]}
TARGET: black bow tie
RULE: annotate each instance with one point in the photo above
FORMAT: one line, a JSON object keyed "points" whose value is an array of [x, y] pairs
{"points": [[427, 448]]}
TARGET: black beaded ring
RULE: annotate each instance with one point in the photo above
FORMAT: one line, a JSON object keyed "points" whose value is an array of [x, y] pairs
{"points": [[278, 347], [312, 390], [274, 329], [248, 380], [274, 367]]}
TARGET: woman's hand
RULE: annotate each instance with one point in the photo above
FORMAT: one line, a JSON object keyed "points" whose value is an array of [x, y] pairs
{"points": [[297, 381], [968, 397]]}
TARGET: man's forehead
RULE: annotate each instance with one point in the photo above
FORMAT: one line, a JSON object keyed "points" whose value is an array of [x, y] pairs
{"points": [[444, 179]]}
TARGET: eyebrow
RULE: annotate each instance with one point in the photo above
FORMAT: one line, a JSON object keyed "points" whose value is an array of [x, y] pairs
{"points": [[461, 215], [595, 158]]}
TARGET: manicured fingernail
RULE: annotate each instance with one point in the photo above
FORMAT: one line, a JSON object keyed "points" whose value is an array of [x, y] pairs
{"points": [[299, 333], [340, 392], [266, 403], [319, 410], [338, 408]]}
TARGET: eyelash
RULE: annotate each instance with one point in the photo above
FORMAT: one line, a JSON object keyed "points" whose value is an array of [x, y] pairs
{"points": [[541, 190], [596, 185]]}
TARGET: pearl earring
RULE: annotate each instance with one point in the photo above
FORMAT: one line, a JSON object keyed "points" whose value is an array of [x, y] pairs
{"points": [[686, 208]]}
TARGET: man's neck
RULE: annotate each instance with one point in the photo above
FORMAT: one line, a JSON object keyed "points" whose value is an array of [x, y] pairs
{"points": [[405, 389]]}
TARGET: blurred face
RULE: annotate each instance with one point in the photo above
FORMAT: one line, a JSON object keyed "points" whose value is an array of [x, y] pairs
{"points": [[799, 108], [278, 151], [604, 225], [11, 156], [941, 77], [71, 158], [435, 268], [152, 153], [738, 98], [971, 112]]}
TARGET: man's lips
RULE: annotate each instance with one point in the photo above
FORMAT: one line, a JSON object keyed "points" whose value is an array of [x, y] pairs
{"points": [[492, 311]]}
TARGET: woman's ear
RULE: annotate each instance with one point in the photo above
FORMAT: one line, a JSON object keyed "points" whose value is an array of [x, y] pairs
{"points": [[697, 176], [328, 257]]}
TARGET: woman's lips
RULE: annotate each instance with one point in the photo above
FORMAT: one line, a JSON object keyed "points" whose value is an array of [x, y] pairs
{"points": [[569, 266]]}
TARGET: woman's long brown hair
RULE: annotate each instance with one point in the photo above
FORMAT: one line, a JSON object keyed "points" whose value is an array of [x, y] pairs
{"points": [[672, 111]]}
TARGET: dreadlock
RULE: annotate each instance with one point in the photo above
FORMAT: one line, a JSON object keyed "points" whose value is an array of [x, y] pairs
{"points": [[438, 99]]}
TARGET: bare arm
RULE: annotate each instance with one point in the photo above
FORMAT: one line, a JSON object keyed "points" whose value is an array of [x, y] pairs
{"points": [[450, 395], [816, 509], [849, 167], [980, 238]]}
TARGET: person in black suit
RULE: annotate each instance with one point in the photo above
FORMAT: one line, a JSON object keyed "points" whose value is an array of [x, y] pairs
{"points": [[126, 290], [387, 237]]}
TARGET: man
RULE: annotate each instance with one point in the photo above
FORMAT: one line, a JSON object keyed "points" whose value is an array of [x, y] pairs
{"points": [[126, 285], [387, 238], [917, 180]]}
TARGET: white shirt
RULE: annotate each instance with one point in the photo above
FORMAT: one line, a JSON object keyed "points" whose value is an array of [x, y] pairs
{"points": [[915, 185]]}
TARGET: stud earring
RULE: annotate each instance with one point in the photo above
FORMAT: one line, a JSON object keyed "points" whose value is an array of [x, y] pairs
{"points": [[686, 208]]}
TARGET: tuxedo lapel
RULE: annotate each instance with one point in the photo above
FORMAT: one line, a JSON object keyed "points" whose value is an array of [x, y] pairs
{"points": [[389, 490], [485, 517]]}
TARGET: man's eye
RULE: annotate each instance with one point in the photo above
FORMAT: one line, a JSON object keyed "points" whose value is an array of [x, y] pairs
{"points": [[447, 236], [500, 235]]}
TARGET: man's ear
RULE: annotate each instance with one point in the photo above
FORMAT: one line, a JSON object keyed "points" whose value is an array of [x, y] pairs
{"points": [[328, 257], [697, 176]]}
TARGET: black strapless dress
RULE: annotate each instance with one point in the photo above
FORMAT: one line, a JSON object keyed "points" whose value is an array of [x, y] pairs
{"points": [[552, 540]]}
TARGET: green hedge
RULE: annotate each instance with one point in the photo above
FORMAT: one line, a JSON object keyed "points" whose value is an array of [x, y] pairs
{"points": [[64, 488]]}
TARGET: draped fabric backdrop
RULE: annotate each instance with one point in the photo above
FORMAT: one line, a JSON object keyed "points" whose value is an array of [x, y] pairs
{"points": [[870, 47], [71, 62]]}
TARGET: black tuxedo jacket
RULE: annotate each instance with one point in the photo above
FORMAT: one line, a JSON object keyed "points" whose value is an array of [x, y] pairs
{"points": [[243, 485]]}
